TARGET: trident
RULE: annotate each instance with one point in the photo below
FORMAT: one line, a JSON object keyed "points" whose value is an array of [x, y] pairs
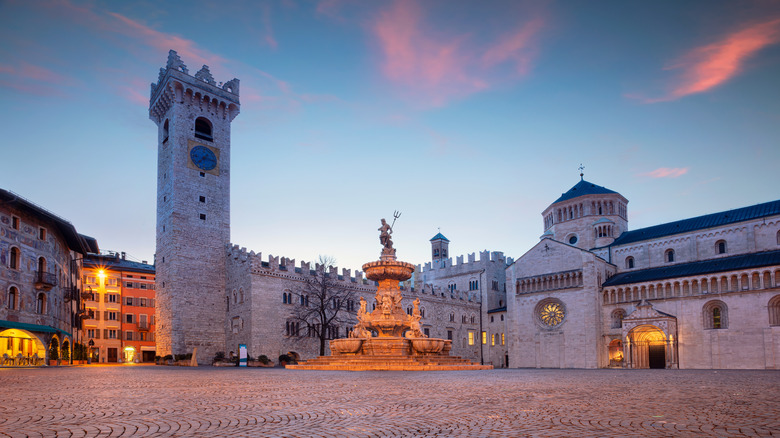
{"points": [[396, 215]]}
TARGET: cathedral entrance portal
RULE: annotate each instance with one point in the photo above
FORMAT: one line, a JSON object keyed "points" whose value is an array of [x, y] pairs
{"points": [[648, 345]]}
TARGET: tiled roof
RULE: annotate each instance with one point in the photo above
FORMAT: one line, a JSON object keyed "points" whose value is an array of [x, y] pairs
{"points": [[439, 236], [700, 222], [583, 188], [733, 263], [117, 264]]}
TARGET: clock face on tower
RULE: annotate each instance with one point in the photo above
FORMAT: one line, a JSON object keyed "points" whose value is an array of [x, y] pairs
{"points": [[203, 157]]}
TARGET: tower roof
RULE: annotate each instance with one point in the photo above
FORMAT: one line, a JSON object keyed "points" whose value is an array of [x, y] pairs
{"points": [[440, 236], [583, 188]]}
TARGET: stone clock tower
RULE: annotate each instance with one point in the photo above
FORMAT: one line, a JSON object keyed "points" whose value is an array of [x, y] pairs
{"points": [[193, 116]]}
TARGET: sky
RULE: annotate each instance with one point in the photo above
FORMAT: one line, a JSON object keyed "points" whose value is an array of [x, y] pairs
{"points": [[468, 117]]}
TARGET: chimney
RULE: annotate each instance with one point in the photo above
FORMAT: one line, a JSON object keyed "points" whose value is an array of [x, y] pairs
{"points": [[123, 255]]}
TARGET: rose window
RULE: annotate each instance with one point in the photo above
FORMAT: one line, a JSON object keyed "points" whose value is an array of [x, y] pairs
{"points": [[550, 313]]}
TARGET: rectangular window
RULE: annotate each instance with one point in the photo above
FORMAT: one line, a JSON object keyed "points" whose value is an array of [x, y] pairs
{"points": [[202, 217], [143, 302], [449, 335], [112, 282], [502, 339], [14, 222], [129, 284], [484, 338], [91, 333], [143, 336], [143, 285], [129, 336], [129, 318], [128, 301], [41, 233], [112, 334], [113, 298], [202, 199], [111, 316], [493, 339], [471, 338], [203, 174], [427, 332]]}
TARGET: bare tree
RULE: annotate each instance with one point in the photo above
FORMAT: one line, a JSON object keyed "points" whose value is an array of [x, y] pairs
{"points": [[322, 304]]}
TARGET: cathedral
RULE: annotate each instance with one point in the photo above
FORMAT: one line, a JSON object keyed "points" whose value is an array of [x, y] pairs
{"points": [[696, 293]]}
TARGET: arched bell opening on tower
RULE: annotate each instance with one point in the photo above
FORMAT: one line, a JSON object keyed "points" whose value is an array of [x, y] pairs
{"points": [[203, 129]]}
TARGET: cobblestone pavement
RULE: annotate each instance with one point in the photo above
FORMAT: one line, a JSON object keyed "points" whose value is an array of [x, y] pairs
{"points": [[169, 401]]}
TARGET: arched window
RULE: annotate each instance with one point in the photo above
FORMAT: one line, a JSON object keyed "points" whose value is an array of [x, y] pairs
{"points": [[629, 263], [422, 312], [235, 297], [40, 306], [15, 261], [203, 129], [669, 255], [617, 318], [774, 310], [452, 317], [720, 247], [473, 319], [778, 237], [240, 295], [408, 310], [715, 315], [13, 297]]}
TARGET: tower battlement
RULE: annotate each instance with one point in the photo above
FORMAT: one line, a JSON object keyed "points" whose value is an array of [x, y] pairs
{"points": [[447, 267], [174, 84], [284, 264]]}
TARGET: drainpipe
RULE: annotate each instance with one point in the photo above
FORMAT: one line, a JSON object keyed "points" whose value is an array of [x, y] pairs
{"points": [[481, 303]]}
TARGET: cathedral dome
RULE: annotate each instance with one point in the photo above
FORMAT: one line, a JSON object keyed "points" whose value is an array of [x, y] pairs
{"points": [[583, 188]]}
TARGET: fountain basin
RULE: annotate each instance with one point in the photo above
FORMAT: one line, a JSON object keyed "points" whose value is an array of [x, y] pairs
{"points": [[388, 270], [427, 345], [345, 346]]}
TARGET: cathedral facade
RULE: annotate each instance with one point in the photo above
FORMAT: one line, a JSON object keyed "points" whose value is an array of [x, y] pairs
{"points": [[696, 293]]}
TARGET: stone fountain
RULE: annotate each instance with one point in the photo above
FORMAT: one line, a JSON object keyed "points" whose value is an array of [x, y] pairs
{"points": [[388, 338]]}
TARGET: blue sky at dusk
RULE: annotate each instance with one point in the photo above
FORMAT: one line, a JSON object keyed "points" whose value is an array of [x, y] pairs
{"points": [[469, 116]]}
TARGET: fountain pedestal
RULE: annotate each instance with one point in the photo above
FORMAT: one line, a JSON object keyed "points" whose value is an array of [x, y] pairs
{"points": [[398, 343]]}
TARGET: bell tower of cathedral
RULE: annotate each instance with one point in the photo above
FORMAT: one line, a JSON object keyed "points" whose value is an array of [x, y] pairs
{"points": [[587, 216], [193, 115]]}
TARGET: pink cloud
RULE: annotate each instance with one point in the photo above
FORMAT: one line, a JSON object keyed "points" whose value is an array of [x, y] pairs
{"points": [[34, 79], [442, 65], [269, 30], [710, 66], [187, 49], [666, 172]]}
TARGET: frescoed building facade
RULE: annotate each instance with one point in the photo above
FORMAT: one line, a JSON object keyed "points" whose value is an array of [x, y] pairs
{"points": [[40, 283]]}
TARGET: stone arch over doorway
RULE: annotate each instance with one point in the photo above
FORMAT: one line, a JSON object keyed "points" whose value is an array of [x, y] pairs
{"points": [[648, 347], [649, 338]]}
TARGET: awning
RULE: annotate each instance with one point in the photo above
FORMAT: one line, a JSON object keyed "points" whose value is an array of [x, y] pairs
{"points": [[31, 327]]}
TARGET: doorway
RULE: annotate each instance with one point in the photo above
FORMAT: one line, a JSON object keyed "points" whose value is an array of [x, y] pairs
{"points": [[112, 354], [647, 347], [656, 356]]}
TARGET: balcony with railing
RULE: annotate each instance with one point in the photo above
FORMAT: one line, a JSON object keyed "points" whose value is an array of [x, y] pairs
{"points": [[45, 280], [143, 326]]}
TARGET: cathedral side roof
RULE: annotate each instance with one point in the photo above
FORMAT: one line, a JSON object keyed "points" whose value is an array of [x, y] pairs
{"points": [[700, 222], [743, 261], [583, 188]]}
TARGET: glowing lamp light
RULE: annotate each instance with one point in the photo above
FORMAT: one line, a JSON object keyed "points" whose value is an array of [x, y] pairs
{"points": [[101, 273]]}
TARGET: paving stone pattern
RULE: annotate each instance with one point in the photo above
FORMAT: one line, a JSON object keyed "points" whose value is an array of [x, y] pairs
{"points": [[167, 401]]}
